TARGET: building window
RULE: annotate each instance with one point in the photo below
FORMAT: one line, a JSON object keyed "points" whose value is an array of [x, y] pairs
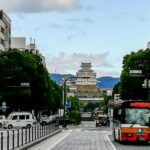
{"points": [[2, 42]]}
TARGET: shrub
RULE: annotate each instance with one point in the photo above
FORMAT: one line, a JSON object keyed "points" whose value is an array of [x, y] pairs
{"points": [[74, 117]]}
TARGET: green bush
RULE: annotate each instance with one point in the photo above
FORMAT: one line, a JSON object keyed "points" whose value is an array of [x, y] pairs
{"points": [[74, 117]]}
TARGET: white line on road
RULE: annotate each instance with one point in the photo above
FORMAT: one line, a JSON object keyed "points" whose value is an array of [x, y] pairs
{"points": [[114, 148], [59, 140]]}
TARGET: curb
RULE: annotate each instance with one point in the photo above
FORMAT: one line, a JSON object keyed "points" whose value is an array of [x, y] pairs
{"points": [[33, 143]]}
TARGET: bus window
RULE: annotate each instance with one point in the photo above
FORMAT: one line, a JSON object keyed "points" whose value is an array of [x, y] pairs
{"points": [[117, 115], [138, 116]]}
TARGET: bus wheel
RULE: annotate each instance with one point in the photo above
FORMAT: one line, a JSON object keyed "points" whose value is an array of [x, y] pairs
{"points": [[115, 139]]}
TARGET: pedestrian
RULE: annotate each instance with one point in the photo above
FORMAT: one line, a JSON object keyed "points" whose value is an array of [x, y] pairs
{"points": [[108, 122]]}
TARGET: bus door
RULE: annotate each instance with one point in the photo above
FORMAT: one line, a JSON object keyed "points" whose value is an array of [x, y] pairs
{"points": [[117, 120]]}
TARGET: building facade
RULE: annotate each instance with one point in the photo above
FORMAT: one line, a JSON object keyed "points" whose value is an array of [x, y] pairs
{"points": [[5, 31], [86, 79], [18, 43]]}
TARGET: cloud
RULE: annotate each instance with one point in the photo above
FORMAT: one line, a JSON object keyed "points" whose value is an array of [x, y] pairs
{"points": [[56, 26], [89, 8], [70, 37], [142, 19], [75, 35], [101, 73], [30, 6], [71, 63]]}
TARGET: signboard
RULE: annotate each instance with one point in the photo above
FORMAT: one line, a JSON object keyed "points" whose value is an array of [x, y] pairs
{"points": [[3, 107], [25, 84], [140, 105], [68, 104], [136, 73]]}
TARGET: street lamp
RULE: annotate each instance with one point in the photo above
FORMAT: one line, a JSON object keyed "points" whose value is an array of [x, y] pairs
{"points": [[64, 96]]}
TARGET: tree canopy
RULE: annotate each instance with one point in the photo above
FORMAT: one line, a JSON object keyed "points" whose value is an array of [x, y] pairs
{"points": [[19, 67], [130, 87]]}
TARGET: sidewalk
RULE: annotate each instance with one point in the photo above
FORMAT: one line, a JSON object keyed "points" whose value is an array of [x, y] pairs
{"points": [[38, 141]]}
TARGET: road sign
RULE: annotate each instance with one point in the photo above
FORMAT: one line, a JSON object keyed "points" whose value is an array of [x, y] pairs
{"points": [[3, 107], [68, 104]]}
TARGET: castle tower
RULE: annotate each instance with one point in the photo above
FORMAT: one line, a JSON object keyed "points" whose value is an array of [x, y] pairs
{"points": [[88, 84]]}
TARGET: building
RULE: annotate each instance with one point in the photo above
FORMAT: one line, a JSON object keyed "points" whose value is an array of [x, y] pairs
{"points": [[33, 48], [86, 79], [87, 100], [148, 45], [5, 31], [83, 85], [18, 43], [86, 88]]}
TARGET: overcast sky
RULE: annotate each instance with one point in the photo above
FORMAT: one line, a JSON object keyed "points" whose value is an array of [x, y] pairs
{"points": [[68, 32]]}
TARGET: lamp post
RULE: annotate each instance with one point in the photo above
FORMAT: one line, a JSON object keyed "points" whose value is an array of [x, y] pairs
{"points": [[64, 96]]}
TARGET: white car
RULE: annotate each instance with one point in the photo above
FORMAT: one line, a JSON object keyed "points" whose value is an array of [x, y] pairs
{"points": [[2, 119], [20, 119], [48, 119]]}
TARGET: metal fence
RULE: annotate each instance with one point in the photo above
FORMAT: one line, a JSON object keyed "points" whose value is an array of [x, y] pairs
{"points": [[10, 139]]}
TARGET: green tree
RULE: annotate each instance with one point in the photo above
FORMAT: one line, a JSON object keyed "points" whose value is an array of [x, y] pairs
{"points": [[75, 103], [106, 101], [73, 112], [23, 66], [131, 87], [100, 104], [116, 89], [89, 107]]}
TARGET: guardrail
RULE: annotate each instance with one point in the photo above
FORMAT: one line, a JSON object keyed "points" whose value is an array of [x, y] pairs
{"points": [[10, 139]]}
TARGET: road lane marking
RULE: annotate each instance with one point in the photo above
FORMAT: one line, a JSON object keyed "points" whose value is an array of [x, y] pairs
{"points": [[59, 140], [114, 148]]}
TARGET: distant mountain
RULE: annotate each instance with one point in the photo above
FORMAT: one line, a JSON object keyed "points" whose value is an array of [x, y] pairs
{"points": [[58, 77], [107, 82]]}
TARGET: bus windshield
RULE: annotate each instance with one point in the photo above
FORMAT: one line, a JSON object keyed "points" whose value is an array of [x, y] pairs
{"points": [[137, 116]]}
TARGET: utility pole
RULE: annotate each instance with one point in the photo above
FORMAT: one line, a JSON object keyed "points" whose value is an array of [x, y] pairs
{"points": [[64, 96]]}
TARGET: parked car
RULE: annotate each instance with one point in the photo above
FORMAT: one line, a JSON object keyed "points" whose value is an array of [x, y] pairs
{"points": [[45, 120], [20, 119], [2, 119], [102, 120], [60, 120]]}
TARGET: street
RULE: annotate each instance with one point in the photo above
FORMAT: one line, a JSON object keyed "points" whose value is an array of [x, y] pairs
{"points": [[85, 137]]}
